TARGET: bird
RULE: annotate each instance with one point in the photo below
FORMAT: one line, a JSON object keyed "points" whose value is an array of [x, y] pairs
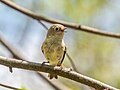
{"points": [[53, 47]]}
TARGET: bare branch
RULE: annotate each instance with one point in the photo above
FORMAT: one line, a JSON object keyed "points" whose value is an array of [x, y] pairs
{"points": [[15, 63], [19, 55], [46, 68], [67, 24], [83, 79], [43, 24], [56, 87], [10, 87], [71, 61], [15, 52]]}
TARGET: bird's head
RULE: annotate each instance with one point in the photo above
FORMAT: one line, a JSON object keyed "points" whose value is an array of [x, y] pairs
{"points": [[56, 30]]}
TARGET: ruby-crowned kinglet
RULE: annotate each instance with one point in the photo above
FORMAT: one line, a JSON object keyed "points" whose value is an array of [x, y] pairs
{"points": [[53, 47]]}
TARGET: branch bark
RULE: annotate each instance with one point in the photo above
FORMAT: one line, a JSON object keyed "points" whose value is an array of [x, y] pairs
{"points": [[67, 24], [15, 63], [19, 55], [55, 70], [9, 87]]}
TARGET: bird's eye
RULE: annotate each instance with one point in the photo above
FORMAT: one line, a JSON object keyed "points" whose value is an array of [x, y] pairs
{"points": [[57, 29]]}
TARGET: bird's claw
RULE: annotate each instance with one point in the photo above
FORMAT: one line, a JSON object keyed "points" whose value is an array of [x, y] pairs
{"points": [[60, 67], [45, 62], [70, 69]]}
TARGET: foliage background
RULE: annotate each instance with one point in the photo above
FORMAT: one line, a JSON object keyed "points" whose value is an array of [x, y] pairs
{"points": [[94, 56]]}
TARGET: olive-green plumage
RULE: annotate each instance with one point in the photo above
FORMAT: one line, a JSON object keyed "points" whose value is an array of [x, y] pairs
{"points": [[53, 47]]}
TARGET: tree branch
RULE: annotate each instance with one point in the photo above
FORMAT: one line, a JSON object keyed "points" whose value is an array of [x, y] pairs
{"points": [[15, 63], [72, 63], [10, 87], [83, 79], [15, 52], [67, 24], [55, 70], [87, 81], [19, 55]]}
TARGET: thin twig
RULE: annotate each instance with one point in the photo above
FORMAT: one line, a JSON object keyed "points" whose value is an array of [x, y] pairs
{"points": [[15, 52], [50, 83], [43, 24], [71, 61], [67, 24], [9, 87], [15, 63]]}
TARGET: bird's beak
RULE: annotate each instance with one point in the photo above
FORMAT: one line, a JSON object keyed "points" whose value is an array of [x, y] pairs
{"points": [[64, 29]]}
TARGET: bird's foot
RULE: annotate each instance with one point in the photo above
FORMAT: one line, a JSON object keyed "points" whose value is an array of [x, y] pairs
{"points": [[58, 67], [69, 69], [45, 62]]}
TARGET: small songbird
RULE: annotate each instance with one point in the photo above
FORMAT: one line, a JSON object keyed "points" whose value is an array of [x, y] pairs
{"points": [[53, 47]]}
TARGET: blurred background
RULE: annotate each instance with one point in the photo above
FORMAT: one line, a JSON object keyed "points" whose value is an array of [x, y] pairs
{"points": [[95, 56]]}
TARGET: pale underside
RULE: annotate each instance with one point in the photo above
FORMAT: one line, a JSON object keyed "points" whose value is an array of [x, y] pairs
{"points": [[54, 51]]}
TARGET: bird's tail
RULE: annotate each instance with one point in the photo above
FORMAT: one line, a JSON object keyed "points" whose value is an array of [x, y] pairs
{"points": [[51, 76]]}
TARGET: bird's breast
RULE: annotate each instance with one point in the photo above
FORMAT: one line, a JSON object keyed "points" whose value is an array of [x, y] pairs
{"points": [[54, 51]]}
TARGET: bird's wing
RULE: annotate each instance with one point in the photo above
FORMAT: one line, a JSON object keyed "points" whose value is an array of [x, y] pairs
{"points": [[60, 62]]}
